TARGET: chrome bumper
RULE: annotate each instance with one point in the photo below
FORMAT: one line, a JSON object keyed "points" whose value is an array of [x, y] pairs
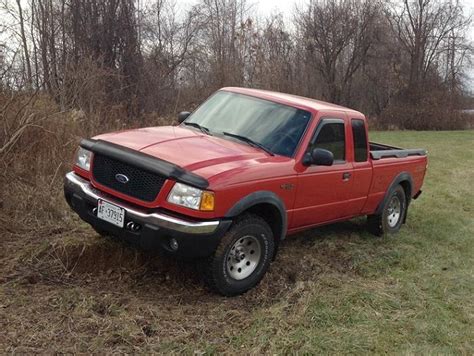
{"points": [[76, 183]]}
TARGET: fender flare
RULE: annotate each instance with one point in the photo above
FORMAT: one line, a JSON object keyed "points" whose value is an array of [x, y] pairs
{"points": [[260, 197], [401, 177]]}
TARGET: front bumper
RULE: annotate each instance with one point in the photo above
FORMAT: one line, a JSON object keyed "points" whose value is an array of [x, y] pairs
{"points": [[157, 229]]}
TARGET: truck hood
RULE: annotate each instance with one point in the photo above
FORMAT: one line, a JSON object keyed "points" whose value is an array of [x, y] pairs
{"points": [[207, 156]]}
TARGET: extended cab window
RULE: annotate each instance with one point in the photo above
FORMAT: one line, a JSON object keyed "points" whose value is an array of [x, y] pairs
{"points": [[360, 140], [332, 137]]}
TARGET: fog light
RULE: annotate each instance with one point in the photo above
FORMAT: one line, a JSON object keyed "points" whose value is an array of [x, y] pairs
{"points": [[174, 244], [132, 226]]}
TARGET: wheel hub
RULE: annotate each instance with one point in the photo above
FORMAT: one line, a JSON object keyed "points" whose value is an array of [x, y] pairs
{"points": [[243, 257], [394, 211]]}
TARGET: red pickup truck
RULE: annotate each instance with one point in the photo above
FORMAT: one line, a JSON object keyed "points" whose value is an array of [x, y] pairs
{"points": [[236, 176]]}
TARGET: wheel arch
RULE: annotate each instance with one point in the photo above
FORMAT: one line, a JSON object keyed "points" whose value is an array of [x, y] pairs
{"points": [[267, 205], [406, 181]]}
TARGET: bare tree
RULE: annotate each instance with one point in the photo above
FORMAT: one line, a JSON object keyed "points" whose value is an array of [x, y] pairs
{"points": [[274, 57], [167, 43], [224, 34], [140, 58], [24, 42], [424, 27], [337, 35]]}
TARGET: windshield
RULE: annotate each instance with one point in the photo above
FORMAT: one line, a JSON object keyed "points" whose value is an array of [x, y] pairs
{"points": [[276, 127]]}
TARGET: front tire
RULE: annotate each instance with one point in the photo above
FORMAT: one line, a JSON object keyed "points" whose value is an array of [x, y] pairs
{"points": [[393, 214], [242, 257]]}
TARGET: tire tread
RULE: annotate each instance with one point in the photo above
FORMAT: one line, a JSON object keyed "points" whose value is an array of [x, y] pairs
{"points": [[211, 263], [376, 224]]}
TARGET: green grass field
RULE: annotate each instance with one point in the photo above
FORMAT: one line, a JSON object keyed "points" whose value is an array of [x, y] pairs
{"points": [[410, 293], [336, 289]]}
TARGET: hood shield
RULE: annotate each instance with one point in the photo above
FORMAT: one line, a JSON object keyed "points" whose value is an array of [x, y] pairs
{"points": [[144, 161]]}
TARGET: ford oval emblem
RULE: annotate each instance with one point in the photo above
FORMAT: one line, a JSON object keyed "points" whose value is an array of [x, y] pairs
{"points": [[121, 178]]}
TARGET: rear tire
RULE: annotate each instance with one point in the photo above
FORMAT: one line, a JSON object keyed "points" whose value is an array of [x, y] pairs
{"points": [[242, 257], [393, 214]]}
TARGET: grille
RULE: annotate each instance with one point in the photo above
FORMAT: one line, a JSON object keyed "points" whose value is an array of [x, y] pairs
{"points": [[142, 185]]}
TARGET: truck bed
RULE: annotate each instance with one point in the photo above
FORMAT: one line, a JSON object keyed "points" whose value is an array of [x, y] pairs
{"points": [[379, 151]]}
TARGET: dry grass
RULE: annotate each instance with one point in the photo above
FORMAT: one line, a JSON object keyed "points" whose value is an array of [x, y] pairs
{"points": [[334, 289], [74, 291]]}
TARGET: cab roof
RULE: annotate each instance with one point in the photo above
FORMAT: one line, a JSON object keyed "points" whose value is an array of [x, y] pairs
{"points": [[291, 100]]}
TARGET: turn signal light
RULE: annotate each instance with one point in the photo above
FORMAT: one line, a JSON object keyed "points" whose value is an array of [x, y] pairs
{"points": [[207, 201]]}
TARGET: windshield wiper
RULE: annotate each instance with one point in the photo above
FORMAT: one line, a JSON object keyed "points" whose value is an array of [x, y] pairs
{"points": [[250, 142], [202, 128]]}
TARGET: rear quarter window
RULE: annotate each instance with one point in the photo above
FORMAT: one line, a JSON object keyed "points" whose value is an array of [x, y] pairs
{"points": [[359, 137]]}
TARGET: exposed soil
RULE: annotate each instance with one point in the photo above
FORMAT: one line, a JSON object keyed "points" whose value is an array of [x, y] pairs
{"points": [[75, 291]]}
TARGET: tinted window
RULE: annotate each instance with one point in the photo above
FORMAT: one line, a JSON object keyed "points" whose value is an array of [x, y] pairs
{"points": [[277, 127], [331, 137], [360, 140]]}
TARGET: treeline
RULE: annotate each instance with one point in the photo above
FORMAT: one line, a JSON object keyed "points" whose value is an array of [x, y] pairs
{"points": [[401, 62]]}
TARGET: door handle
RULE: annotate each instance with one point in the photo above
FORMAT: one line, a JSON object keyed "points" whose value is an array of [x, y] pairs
{"points": [[346, 176]]}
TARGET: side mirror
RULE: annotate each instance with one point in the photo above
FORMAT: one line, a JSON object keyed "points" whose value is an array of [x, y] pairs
{"points": [[183, 115], [319, 157]]}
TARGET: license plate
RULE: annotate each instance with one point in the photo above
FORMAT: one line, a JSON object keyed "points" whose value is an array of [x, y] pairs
{"points": [[110, 213]]}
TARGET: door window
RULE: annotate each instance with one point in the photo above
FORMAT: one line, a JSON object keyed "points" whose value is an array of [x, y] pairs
{"points": [[331, 137]]}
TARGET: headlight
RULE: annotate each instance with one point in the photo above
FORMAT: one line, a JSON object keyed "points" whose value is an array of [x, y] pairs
{"points": [[83, 159], [191, 197]]}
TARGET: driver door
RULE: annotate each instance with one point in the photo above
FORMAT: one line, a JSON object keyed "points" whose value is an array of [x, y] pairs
{"points": [[323, 190]]}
